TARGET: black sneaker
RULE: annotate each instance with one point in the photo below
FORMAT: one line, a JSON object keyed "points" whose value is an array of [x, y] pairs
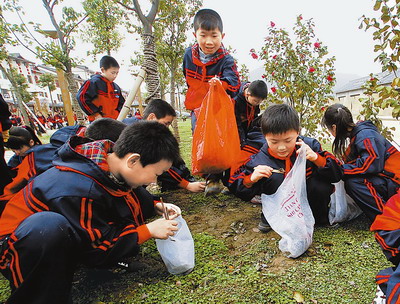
{"points": [[212, 188], [264, 227]]}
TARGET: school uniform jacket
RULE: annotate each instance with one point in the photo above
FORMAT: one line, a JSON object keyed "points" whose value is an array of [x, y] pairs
{"points": [[370, 153], [37, 160], [108, 217], [99, 95], [245, 113], [198, 74], [326, 167]]}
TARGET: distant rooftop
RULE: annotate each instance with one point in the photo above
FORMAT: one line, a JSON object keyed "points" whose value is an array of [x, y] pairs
{"points": [[356, 84]]}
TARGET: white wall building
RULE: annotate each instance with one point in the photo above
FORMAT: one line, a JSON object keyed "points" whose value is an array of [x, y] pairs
{"points": [[350, 93]]}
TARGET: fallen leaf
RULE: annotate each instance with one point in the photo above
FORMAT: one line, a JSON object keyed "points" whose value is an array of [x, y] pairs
{"points": [[298, 297]]}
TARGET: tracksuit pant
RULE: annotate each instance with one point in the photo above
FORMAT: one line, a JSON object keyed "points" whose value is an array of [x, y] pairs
{"points": [[371, 193], [389, 279], [38, 259]]}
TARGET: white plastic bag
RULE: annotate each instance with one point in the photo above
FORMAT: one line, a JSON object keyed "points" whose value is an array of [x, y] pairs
{"points": [[342, 207], [177, 252], [288, 211]]}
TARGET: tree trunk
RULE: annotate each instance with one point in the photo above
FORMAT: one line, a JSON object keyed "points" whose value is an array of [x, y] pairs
{"points": [[51, 97], [73, 89], [173, 104], [150, 66]]}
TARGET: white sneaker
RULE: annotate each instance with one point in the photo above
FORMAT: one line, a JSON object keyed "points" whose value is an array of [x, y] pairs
{"points": [[380, 297], [256, 199]]}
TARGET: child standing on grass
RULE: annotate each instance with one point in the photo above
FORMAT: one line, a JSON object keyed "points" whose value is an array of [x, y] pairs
{"points": [[100, 96], [281, 127], [94, 207], [205, 60], [371, 162]]}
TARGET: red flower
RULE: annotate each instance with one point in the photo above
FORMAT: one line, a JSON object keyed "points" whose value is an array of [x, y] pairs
{"points": [[254, 55], [272, 24], [322, 108], [329, 78], [311, 69], [273, 74], [317, 45], [274, 57], [262, 76], [252, 50], [300, 17], [372, 79], [265, 52], [273, 89]]}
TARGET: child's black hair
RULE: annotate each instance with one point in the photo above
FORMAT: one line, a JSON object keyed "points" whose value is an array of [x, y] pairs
{"points": [[160, 108], [21, 136], [107, 62], [340, 116], [258, 88], [207, 19], [152, 140], [279, 118], [105, 128]]}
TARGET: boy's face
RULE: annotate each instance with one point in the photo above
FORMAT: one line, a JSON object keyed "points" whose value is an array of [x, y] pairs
{"points": [[282, 145], [110, 73], [209, 41], [135, 175], [254, 101], [166, 120]]}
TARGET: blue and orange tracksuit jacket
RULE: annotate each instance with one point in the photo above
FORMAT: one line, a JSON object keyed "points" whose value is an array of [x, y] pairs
{"points": [[37, 160], [326, 168], [245, 113], [370, 153], [387, 234], [109, 218], [198, 75], [99, 95]]}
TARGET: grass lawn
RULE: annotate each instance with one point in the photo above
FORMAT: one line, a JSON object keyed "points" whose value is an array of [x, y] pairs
{"points": [[235, 263]]}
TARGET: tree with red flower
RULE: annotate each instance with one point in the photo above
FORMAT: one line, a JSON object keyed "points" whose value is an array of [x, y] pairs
{"points": [[299, 70]]}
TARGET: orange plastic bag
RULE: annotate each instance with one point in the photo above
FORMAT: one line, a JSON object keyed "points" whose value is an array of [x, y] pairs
{"points": [[216, 143]]}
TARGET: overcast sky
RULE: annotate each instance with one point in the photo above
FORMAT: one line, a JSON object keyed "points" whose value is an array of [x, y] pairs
{"points": [[245, 26]]}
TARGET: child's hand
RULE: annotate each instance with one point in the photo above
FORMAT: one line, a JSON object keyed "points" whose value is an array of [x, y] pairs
{"points": [[196, 186], [311, 155], [214, 80], [259, 172], [172, 210], [162, 228]]}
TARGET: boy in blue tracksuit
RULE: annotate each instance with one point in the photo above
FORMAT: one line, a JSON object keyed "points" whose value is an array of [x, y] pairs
{"points": [[247, 106], [205, 60], [371, 163], [94, 208], [261, 174], [100, 96]]}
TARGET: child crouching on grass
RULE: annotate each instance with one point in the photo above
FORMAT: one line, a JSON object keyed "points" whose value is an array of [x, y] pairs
{"points": [[281, 127], [94, 208]]}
